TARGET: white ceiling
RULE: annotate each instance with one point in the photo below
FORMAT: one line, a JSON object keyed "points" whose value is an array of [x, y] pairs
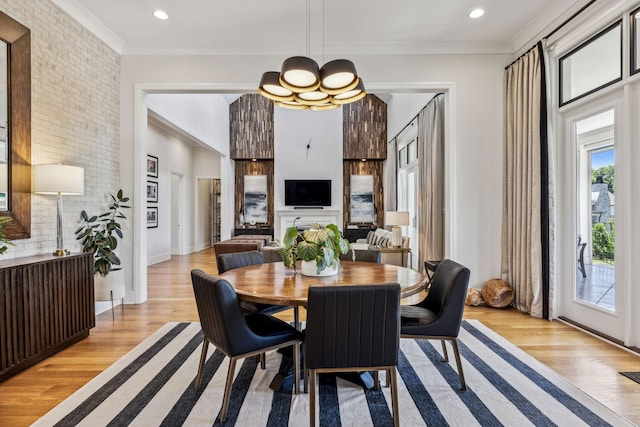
{"points": [[350, 26]]}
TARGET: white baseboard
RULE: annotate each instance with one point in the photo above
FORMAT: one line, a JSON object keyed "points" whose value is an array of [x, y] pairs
{"points": [[158, 258]]}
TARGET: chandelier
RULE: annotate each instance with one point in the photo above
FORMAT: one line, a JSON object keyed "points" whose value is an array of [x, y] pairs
{"points": [[302, 84]]}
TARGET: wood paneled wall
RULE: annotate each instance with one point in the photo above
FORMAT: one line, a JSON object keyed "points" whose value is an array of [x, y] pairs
{"points": [[364, 128], [358, 167], [248, 167], [251, 128]]}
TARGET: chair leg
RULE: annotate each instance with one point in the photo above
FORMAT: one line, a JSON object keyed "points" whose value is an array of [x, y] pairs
{"points": [[203, 357], [456, 353], [296, 368], [444, 351], [394, 396], [305, 375], [227, 390], [312, 397], [113, 313], [376, 380], [263, 360]]}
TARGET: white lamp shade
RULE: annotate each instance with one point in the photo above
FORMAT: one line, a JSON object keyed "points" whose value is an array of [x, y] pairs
{"points": [[58, 179], [396, 218]]}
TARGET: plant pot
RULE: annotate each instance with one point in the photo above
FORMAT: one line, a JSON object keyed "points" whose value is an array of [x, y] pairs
{"points": [[110, 287], [309, 268]]}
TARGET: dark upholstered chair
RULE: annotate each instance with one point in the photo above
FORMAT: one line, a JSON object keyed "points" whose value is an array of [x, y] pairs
{"points": [[236, 335], [233, 260], [439, 315], [352, 328], [365, 255]]}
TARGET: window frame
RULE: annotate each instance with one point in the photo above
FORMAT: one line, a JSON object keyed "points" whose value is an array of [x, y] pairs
{"points": [[581, 46]]}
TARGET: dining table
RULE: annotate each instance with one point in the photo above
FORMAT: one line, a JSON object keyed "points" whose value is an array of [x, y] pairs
{"points": [[275, 284]]}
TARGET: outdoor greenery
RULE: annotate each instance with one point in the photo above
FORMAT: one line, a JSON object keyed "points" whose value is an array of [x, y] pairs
{"points": [[321, 244], [4, 241], [99, 234], [604, 241], [607, 174]]}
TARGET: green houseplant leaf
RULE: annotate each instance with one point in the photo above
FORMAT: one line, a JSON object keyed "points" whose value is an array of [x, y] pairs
{"points": [[320, 244], [99, 234]]}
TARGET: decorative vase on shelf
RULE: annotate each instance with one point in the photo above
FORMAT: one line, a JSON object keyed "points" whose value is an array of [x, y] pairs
{"points": [[310, 268]]}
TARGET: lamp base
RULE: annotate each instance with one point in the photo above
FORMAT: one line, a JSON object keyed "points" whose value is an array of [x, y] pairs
{"points": [[60, 252], [396, 237]]}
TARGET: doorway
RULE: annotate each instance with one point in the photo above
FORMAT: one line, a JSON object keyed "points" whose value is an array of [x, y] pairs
{"points": [[177, 213], [594, 294]]}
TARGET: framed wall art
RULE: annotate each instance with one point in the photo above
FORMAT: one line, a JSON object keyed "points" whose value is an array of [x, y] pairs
{"points": [[255, 199], [152, 192], [361, 198], [152, 217], [152, 166]]}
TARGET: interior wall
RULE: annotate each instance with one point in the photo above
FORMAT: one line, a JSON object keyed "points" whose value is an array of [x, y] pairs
{"points": [[174, 157], [74, 119], [402, 108], [474, 129], [203, 221], [323, 160]]}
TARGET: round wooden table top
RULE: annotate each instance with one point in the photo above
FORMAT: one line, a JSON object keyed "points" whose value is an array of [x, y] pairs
{"points": [[273, 283]]}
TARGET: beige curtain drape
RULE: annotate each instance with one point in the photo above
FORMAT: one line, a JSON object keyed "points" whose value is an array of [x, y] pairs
{"points": [[521, 213], [431, 181]]}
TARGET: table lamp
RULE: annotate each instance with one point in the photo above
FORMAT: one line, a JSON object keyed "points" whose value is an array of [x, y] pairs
{"points": [[396, 219], [59, 180]]}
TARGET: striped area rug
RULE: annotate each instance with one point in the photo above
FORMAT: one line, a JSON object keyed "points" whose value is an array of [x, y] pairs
{"points": [[153, 386]]}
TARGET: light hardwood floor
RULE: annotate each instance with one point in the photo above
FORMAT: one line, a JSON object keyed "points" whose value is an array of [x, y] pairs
{"points": [[586, 361]]}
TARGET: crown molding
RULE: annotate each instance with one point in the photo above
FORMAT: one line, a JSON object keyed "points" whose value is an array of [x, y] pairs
{"points": [[90, 22]]}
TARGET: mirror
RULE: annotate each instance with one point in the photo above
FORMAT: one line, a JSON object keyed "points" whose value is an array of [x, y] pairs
{"points": [[4, 119], [15, 97]]}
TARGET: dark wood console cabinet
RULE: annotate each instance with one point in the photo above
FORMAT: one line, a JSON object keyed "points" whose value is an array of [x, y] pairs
{"points": [[263, 231], [46, 304]]}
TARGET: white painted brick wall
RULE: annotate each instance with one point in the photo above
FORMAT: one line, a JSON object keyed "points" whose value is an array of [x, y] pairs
{"points": [[75, 90]]}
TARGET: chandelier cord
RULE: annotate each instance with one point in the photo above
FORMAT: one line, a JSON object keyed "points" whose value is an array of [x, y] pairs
{"points": [[309, 28], [323, 31]]}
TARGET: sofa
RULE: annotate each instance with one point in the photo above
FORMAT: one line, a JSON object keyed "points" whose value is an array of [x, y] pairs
{"points": [[380, 238], [241, 243]]}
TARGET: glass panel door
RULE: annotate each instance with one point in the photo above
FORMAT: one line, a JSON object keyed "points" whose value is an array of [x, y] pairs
{"points": [[593, 297], [595, 282]]}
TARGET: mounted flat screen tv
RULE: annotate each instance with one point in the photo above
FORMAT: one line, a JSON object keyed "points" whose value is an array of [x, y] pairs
{"points": [[307, 192]]}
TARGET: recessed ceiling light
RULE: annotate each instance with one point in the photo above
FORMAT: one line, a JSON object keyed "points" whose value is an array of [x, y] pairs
{"points": [[476, 13], [161, 14]]}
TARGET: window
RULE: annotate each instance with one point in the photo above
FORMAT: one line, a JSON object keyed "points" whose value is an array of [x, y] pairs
{"points": [[595, 64], [635, 41]]}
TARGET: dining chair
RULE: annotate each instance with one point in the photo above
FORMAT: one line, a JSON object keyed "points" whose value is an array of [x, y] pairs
{"points": [[439, 315], [233, 260], [235, 334], [352, 329]]}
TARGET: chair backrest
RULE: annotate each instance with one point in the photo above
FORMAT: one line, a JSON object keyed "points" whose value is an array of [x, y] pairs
{"points": [[238, 259], [352, 326], [221, 318], [447, 295], [365, 255]]}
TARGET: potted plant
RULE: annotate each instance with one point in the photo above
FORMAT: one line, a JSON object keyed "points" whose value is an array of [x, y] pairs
{"points": [[4, 241], [99, 235], [318, 247]]}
